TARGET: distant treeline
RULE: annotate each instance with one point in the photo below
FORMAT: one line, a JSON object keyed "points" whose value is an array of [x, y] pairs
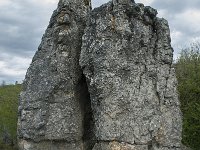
{"points": [[4, 83], [188, 75]]}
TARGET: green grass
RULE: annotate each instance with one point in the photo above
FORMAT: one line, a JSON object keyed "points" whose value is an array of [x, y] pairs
{"points": [[8, 115]]}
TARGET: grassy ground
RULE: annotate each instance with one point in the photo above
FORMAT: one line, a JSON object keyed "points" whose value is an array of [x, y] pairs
{"points": [[8, 116]]}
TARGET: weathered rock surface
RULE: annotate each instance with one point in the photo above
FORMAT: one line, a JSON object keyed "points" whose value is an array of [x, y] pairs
{"points": [[127, 59], [104, 84], [51, 110]]}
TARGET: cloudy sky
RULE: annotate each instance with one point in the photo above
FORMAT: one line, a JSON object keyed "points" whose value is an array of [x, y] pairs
{"points": [[22, 23]]}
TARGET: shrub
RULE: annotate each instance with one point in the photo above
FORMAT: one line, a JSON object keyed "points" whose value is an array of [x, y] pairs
{"points": [[188, 75]]}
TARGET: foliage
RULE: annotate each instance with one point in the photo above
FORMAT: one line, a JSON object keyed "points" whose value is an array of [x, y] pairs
{"points": [[188, 75], [8, 115]]}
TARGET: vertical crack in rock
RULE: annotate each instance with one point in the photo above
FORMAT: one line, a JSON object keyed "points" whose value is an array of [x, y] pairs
{"points": [[88, 121]]}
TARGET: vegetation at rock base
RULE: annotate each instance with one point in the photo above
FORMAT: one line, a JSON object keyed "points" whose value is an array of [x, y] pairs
{"points": [[188, 75], [8, 116]]}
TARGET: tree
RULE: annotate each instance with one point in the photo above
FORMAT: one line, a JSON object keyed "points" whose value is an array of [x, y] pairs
{"points": [[16, 83], [188, 75], [3, 83]]}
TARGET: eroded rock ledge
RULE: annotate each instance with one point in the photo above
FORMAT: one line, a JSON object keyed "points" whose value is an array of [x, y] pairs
{"points": [[101, 79]]}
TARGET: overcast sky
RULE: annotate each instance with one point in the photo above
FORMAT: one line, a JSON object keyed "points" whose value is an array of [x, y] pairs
{"points": [[22, 23]]}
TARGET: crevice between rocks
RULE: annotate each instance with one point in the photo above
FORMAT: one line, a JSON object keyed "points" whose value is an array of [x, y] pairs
{"points": [[88, 121]]}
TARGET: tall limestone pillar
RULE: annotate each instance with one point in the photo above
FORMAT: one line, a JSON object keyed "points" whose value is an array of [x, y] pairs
{"points": [[50, 112], [127, 59]]}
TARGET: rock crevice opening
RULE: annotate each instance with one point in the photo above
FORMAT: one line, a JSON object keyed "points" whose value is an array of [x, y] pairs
{"points": [[88, 120]]}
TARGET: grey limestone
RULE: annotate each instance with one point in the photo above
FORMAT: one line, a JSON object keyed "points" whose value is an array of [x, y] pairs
{"points": [[101, 79], [126, 57]]}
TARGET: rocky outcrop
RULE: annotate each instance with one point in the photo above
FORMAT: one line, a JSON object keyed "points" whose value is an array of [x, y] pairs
{"points": [[127, 57], [104, 84], [51, 111]]}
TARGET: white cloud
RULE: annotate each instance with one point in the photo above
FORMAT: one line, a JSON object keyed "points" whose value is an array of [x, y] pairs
{"points": [[5, 2], [190, 20], [145, 2], [21, 27], [177, 36], [97, 3], [50, 1], [184, 27], [13, 68], [162, 13]]}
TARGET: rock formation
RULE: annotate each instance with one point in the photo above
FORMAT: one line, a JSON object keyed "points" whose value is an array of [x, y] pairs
{"points": [[52, 102], [101, 79]]}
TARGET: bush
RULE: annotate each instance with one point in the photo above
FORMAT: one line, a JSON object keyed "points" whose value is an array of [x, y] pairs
{"points": [[188, 75]]}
